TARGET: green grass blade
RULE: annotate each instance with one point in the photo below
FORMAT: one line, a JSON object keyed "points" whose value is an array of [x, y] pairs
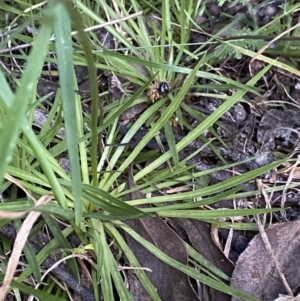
{"points": [[64, 49], [106, 283], [91, 65], [209, 214], [139, 272], [232, 182], [204, 262], [13, 121], [102, 199], [172, 144]]}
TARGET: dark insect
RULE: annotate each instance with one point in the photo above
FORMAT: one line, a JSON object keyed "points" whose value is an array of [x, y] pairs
{"points": [[157, 90], [163, 88]]}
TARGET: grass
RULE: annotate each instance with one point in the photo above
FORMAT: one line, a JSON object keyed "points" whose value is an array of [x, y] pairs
{"points": [[89, 199]]}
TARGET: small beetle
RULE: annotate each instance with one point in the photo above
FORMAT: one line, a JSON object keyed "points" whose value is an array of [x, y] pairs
{"points": [[157, 90], [163, 88]]}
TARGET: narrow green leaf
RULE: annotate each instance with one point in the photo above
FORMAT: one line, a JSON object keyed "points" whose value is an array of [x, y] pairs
{"points": [[204, 262], [115, 206], [16, 114], [64, 50], [109, 202], [105, 269], [37, 148], [95, 116], [209, 214], [217, 188], [62, 242], [55, 210], [139, 272], [196, 204], [172, 144]]}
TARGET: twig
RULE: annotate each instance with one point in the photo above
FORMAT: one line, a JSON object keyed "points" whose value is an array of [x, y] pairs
{"points": [[271, 253]]}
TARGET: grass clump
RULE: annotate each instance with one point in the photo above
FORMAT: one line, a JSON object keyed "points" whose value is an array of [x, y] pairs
{"points": [[137, 43]]}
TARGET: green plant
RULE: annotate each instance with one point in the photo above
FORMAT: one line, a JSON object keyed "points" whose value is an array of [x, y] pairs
{"points": [[90, 199]]}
